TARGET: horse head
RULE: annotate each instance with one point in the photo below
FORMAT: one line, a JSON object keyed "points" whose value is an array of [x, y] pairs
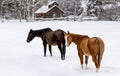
{"points": [[68, 38], [30, 36]]}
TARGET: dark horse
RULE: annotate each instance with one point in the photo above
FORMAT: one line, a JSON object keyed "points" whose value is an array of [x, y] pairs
{"points": [[51, 38], [87, 46]]}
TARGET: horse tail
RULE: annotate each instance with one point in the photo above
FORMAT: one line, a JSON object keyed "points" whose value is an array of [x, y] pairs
{"points": [[63, 33], [99, 52], [64, 46]]}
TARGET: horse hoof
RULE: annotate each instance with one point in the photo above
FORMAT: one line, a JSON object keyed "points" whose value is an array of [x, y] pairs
{"points": [[81, 66], [63, 58], [86, 67], [97, 70]]}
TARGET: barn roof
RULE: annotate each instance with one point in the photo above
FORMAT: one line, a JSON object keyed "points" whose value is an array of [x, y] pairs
{"points": [[51, 2], [45, 8]]}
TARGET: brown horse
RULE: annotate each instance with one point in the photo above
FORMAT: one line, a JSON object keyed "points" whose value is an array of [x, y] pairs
{"points": [[51, 38], [87, 46]]}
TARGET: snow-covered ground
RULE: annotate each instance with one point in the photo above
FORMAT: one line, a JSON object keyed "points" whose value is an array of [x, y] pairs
{"points": [[19, 58]]}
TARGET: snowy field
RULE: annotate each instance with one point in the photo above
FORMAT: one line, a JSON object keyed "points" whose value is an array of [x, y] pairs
{"points": [[19, 58]]}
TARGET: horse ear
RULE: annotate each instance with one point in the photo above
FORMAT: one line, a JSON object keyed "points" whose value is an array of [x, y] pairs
{"points": [[68, 32], [30, 30]]}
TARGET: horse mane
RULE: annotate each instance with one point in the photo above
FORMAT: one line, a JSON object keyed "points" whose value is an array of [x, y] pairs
{"points": [[79, 35], [77, 38], [41, 31]]}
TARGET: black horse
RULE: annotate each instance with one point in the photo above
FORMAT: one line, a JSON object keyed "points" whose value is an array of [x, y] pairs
{"points": [[51, 38]]}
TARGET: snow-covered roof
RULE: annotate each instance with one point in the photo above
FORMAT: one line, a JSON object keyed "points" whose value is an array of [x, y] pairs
{"points": [[43, 9], [51, 2]]}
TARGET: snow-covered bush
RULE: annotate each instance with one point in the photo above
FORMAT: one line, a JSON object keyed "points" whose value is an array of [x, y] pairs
{"points": [[94, 8], [110, 12]]}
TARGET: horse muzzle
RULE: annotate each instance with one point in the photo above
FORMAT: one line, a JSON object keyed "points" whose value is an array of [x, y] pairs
{"points": [[28, 41]]}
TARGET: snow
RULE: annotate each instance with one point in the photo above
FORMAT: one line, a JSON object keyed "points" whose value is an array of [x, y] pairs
{"points": [[108, 6], [19, 58], [118, 3]]}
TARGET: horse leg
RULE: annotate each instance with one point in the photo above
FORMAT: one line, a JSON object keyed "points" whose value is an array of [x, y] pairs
{"points": [[50, 50], [59, 46], [96, 63], [86, 60], [45, 45], [64, 49], [81, 59]]}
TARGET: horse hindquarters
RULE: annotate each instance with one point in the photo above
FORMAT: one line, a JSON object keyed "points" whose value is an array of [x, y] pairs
{"points": [[96, 47], [61, 43]]}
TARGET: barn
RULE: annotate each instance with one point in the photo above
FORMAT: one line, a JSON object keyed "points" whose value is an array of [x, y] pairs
{"points": [[51, 10]]}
